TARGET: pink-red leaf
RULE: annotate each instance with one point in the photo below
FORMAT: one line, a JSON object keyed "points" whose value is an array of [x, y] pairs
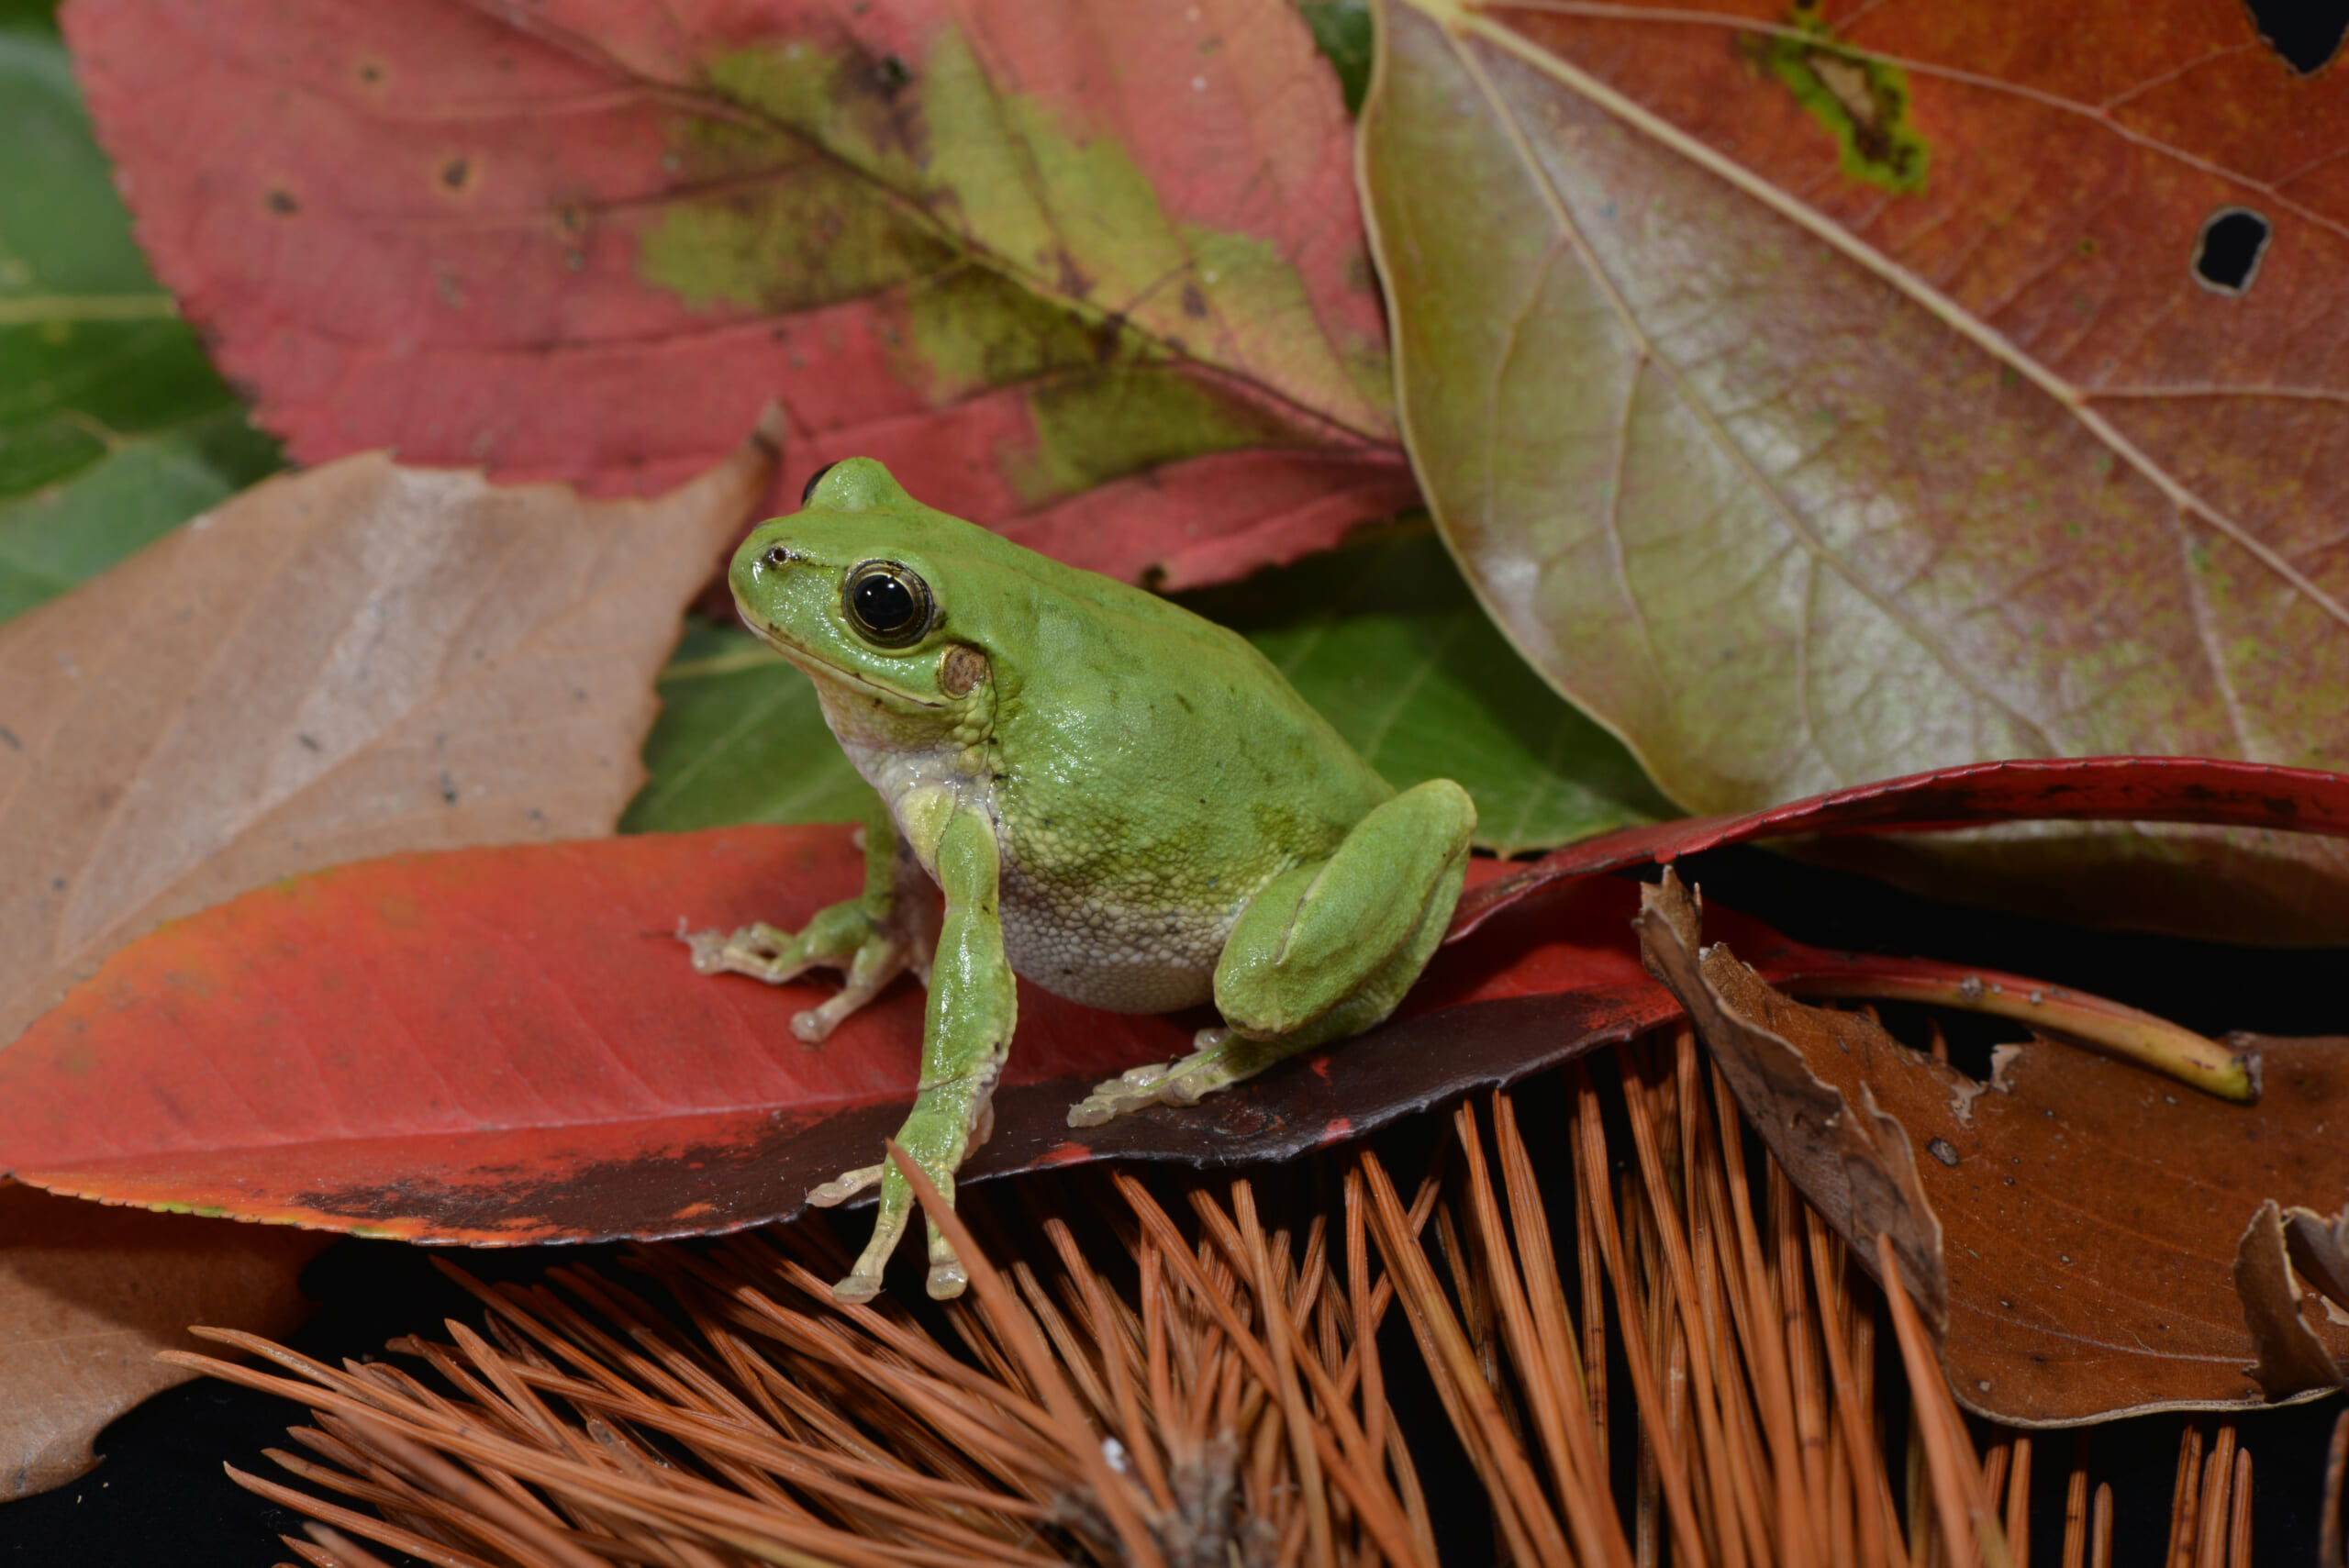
{"points": [[2078, 789], [1015, 251], [506, 1045]]}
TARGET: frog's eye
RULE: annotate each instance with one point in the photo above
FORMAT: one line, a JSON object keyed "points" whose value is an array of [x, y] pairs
{"points": [[889, 606], [807, 491]]}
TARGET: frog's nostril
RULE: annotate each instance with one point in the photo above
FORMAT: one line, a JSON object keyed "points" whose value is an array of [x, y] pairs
{"points": [[778, 556]]}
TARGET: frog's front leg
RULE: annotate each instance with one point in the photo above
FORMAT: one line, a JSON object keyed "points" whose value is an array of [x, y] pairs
{"points": [[973, 1004], [870, 938], [1325, 950]]}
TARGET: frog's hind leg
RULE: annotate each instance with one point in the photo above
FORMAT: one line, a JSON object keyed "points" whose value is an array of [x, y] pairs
{"points": [[1327, 951]]}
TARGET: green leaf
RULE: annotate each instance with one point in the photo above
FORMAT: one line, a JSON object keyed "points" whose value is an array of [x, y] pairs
{"points": [[113, 427], [739, 739], [1342, 31], [1385, 639], [1382, 636]]}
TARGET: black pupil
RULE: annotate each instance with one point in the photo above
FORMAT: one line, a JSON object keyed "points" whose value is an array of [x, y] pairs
{"points": [[884, 604]]}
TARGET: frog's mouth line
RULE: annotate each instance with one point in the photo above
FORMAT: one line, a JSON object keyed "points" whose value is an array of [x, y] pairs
{"points": [[816, 668]]}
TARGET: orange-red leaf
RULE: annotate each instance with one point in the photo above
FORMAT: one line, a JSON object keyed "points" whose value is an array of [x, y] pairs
{"points": [[506, 1045]]}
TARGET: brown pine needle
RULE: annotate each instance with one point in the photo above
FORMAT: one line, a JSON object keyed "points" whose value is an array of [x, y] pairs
{"points": [[1124, 1390]]}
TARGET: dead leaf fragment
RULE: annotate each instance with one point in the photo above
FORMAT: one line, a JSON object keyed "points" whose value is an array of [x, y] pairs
{"points": [[2090, 1211], [358, 660], [89, 1295], [2318, 1249], [1856, 1165], [2292, 1359]]}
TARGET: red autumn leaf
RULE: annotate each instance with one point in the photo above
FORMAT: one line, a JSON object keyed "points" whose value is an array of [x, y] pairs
{"points": [[1015, 251], [506, 1045], [2078, 789]]}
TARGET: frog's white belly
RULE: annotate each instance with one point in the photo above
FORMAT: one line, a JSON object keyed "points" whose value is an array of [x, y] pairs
{"points": [[1122, 959]]}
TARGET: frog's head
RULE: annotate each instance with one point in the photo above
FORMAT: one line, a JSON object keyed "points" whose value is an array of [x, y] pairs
{"points": [[863, 588]]}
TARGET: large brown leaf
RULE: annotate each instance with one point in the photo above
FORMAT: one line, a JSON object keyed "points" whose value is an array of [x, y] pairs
{"points": [[362, 658], [2088, 1213], [89, 1295], [1814, 407], [1016, 252]]}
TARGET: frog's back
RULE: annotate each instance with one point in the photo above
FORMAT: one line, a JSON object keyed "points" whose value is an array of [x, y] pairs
{"points": [[1153, 772]]}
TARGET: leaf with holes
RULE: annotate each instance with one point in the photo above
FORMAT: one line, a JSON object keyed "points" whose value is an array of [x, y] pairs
{"points": [[1381, 636], [1883, 388], [1093, 275], [112, 428], [506, 1045]]}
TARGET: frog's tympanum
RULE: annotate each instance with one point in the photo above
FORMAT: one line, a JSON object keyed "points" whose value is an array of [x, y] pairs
{"points": [[1121, 801]]}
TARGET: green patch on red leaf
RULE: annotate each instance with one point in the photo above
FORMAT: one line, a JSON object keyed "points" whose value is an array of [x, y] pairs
{"points": [[1093, 275]]}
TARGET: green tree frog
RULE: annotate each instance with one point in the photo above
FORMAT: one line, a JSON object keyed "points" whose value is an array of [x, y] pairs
{"points": [[1121, 801]]}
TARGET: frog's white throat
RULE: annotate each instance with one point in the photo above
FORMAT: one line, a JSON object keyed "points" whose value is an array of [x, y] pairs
{"points": [[900, 754]]}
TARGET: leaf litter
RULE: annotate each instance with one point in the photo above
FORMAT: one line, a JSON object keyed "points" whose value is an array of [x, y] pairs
{"points": [[354, 660], [2082, 1220]]}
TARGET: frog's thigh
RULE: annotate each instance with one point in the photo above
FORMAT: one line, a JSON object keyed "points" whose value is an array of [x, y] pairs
{"points": [[1364, 985], [1349, 936]]}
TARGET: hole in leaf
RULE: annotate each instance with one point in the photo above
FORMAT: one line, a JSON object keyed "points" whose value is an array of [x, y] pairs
{"points": [[2305, 34], [2226, 257]]}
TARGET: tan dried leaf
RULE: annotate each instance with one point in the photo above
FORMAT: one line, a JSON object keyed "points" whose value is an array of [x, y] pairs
{"points": [[2318, 1249], [355, 660], [88, 1296], [359, 660], [1856, 1166]]}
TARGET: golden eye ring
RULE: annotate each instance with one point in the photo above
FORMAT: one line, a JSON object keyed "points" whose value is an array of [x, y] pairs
{"points": [[888, 604]]}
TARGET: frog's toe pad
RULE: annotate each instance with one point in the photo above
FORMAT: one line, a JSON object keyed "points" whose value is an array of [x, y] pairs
{"points": [[1130, 1091], [947, 1279], [844, 1186], [855, 1289], [708, 949]]}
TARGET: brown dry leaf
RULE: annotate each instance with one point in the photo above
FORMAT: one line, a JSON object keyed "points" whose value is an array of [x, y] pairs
{"points": [[2318, 1248], [359, 660], [2090, 1210], [1858, 1170], [89, 1295], [355, 660]]}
